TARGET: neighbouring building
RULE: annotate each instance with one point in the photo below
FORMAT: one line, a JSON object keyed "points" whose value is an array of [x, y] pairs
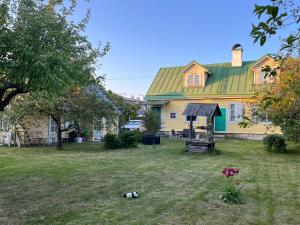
{"points": [[140, 102], [43, 130], [231, 85]]}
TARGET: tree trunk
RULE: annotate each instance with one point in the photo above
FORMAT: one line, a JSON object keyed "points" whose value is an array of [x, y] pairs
{"points": [[58, 133], [59, 139]]}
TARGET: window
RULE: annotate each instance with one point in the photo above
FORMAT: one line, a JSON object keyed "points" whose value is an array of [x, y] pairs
{"points": [[258, 117], [232, 112], [53, 125], [262, 78], [172, 115], [196, 80], [190, 80], [236, 112], [3, 125], [98, 124]]}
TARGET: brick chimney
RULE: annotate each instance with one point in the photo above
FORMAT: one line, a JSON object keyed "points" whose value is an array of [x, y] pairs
{"points": [[237, 55]]}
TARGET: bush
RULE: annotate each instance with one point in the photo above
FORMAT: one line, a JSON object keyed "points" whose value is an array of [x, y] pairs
{"points": [[111, 141], [127, 139], [138, 136], [275, 143], [152, 121]]}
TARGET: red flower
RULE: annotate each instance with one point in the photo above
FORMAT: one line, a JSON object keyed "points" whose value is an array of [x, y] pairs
{"points": [[229, 172]]}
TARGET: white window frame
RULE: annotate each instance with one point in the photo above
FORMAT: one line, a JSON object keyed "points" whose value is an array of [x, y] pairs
{"points": [[258, 120], [262, 78], [190, 80], [52, 124], [230, 112], [172, 117], [198, 79], [237, 118]]}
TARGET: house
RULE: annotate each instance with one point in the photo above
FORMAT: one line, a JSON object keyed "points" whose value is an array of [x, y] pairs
{"points": [[231, 85], [43, 130], [139, 102]]}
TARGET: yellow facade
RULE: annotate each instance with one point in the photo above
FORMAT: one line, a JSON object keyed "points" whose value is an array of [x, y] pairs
{"points": [[179, 123], [230, 85]]}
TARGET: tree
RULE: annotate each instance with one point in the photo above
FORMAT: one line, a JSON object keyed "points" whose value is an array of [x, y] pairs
{"points": [[41, 49], [81, 105], [152, 121], [278, 15], [279, 101], [128, 110]]}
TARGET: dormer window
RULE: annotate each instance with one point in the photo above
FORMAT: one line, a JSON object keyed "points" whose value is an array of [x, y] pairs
{"points": [[190, 80], [196, 80], [194, 75], [262, 77], [259, 70], [193, 80]]}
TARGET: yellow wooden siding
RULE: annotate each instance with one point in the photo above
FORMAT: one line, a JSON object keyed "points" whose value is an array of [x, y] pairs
{"points": [[178, 106], [35, 128]]}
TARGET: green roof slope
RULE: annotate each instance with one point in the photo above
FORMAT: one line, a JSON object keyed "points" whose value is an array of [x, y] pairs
{"points": [[223, 80]]}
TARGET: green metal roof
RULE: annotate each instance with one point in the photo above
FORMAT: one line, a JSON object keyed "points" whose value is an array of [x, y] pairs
{"points": [[223, 80]]}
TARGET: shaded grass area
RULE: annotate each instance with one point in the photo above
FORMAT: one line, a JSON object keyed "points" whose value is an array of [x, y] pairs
{"points": [[84, 184]]}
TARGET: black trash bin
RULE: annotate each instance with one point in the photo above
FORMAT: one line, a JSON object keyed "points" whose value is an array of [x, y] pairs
{"points": [[150, 139]]}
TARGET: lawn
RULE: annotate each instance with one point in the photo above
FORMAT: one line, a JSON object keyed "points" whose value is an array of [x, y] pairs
{"points": [[84, 184]]}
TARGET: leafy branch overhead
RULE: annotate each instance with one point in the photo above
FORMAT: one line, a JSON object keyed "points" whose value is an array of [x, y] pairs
{"points": [[277, 16], [42, 49]]}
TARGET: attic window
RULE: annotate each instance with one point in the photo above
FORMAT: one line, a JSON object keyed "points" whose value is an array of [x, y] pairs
{"points": [[197, 80], [194, 80], [262, 76], [190, 80]]}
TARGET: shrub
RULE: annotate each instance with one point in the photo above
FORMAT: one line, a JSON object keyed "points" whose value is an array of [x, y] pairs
{"points": [[275, 143], [111, 141], [138, 136], [152, 121], [127, 139]]}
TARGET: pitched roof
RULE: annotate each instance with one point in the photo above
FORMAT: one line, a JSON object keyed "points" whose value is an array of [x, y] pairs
{"points": [[202, 109], [223, 80]]}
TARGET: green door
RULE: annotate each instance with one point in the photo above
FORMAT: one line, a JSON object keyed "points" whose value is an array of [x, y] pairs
{"points": [[156, 110], [220, 121]]}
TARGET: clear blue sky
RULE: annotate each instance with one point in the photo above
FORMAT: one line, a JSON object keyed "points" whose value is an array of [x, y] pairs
{"points": [[148, 34]]}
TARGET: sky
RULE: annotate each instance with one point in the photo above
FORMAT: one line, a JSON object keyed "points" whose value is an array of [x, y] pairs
{"points": [[148, 34]]}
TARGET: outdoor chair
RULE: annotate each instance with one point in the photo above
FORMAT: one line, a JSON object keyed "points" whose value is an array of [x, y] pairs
{"points": [[176, 134]]}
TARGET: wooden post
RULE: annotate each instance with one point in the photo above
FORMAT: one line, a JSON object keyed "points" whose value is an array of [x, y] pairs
{"points": [[212, 126], [191, 128]]}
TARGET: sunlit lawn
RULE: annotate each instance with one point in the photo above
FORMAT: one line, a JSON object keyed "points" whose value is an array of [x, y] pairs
{"points": [[84, 184]]}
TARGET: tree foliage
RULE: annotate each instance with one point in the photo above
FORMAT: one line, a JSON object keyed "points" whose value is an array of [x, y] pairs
{"points": [[152, 121], [80, 105], [280, 101], [41, 49], [128, 110], [276, 16]]}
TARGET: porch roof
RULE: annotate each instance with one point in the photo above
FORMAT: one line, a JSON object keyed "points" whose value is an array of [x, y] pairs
{"points": [[202, 109]]}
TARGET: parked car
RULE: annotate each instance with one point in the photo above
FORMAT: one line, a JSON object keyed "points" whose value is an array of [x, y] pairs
{"points": [[134, 125]]}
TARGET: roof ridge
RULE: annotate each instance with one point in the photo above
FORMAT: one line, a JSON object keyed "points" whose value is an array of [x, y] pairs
{"points": [[209, 64]]}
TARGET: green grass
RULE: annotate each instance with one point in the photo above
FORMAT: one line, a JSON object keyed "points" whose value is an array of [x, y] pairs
{"points": [[84, 184]]}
